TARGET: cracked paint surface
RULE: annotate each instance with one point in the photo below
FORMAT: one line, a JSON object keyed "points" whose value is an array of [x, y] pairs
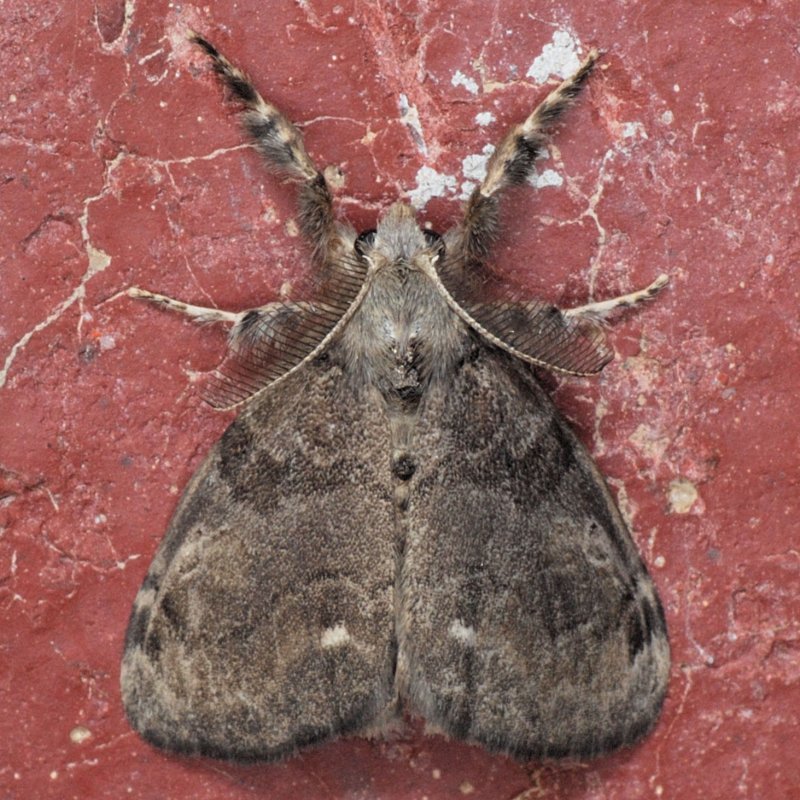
{"points": [[121, 166]]}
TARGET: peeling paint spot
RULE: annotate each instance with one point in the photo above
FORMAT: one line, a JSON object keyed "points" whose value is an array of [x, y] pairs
{"points": [[430, 183], [559, 57], [474, 166], [633, 130], [460, 79], [682, 495], [484, 118], [334, 176], [79, 734], [549, 177]]}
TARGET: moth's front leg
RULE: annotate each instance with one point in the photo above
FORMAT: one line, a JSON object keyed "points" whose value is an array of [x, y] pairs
{"points": [[199, 314], [512, 162], [282, 147]]}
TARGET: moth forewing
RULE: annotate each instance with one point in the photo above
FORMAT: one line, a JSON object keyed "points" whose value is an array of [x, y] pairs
{"points": [[399, 518]]}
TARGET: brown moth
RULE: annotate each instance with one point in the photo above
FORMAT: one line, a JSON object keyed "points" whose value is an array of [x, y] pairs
{"points": [[400, 518]]}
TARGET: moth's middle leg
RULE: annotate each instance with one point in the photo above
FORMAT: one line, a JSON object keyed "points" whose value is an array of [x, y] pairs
{"points": [[265, 323], [200, 314], [603, 308]]}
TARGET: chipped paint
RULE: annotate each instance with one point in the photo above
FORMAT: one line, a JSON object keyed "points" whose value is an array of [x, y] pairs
{"points": [[430, 183], [682, 495], [559, 57], [460, 79]]}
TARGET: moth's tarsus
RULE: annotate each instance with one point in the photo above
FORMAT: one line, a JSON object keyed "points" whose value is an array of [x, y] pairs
{"points": [[400, 518]]}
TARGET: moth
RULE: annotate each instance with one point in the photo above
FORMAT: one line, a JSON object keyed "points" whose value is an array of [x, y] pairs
{"points": [[399, 519]]}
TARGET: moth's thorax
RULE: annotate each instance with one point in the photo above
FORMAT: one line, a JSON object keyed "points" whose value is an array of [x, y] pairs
{"points": [[403, 334]]}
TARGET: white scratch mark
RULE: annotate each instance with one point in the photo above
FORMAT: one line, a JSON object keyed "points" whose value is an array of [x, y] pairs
{"points": [[410, 117], [98, 260], [118, 45]]}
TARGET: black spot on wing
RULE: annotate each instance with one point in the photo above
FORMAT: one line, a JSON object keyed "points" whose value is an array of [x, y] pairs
{"points": [[152, 645], [172, 612], [137, 627], [636, 635], [404, 467]]}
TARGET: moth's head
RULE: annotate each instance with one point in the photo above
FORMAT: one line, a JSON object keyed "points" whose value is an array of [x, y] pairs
{"points": [[398, 240]]}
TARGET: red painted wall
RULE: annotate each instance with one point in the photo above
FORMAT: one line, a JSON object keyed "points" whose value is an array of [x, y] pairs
{"points": [[121, 166]]}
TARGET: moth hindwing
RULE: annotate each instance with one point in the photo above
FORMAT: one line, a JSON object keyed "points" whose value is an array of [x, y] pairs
{"points": [[399, 518]]}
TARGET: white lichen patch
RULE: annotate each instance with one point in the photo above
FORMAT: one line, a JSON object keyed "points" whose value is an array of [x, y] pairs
{"points": [[473, 168], [460, 79], [633, 130], [559, 57], [334, 637], [430, 183], [682, 495], [461, 632], [548, 177]]}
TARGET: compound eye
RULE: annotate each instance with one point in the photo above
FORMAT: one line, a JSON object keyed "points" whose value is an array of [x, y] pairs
{"points": [[434, 241], [364, 241]]}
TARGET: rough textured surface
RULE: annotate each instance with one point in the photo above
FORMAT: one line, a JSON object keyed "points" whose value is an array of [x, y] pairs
{"points": [[120, 166]]}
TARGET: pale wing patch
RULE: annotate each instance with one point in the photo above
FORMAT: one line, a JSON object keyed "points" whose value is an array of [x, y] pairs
{"points": [[334, 637], [462, 633]]}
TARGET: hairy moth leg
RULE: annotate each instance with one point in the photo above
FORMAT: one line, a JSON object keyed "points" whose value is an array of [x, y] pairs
{"points": [[271, 322], [512, 162], [201, 314], [282, 147], [603, 308]]}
